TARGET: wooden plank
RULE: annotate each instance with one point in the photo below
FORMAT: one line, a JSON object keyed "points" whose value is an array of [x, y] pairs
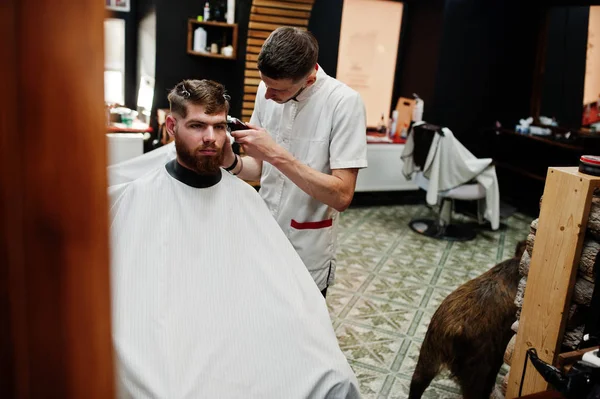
{"points": [[301, 1], [247, 113], [259, 34], [250, 97], [250, 89], [54, 257], [251, 57], [253, 49], [263, 26], [280, 12], [248, 104], [556, 252], [255, 42], [251, 82], [252, 65], [279, 20], [252, 73], [568, 358], [282, 4]]}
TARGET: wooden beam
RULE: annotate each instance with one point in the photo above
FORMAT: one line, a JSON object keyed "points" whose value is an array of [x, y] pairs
{"points": [[251, 73], [259, 34], [251, 57], [556, 252], [279, 20], [54, 257], [250, 89], [282, 4], [251, 82], [280, 12], [248, 105], [252, 65], [250, 97], [255, 42], [253, 49], [247, 112]]}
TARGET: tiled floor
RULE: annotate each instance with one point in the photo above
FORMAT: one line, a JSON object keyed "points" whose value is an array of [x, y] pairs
{"points": [[390, 281]]}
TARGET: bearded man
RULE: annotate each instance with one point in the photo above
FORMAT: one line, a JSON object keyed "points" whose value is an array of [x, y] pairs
{"points": [[209, 297]]}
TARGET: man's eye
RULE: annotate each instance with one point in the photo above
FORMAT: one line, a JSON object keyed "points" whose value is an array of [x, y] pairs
{"points": [[221, 127], [196, 126]]}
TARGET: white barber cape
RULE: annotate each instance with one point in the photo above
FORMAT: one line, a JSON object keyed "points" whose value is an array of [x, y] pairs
{"points": [[448, 165], [210, 299]]}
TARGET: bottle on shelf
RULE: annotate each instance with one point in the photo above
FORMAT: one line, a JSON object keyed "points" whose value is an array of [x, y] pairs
{"points": [[206, 11], [382, 128], [200, 40]]}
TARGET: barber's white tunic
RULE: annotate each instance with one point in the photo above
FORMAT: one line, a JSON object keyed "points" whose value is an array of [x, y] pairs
{"points": [[324, 129], [210, 300]]}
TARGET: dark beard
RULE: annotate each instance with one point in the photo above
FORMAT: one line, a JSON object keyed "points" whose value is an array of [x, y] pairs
{"points": [[201, 164]]}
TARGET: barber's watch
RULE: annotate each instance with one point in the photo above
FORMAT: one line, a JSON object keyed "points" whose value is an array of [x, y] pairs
{"points": [[233, 165]]}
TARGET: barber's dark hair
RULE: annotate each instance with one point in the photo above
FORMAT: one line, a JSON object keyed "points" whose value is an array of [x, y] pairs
{"points": [[288, 53], [211, 95]]}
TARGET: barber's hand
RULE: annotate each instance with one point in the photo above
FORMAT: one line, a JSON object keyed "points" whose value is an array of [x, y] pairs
{"points": [[229, 156], [258, 143]]}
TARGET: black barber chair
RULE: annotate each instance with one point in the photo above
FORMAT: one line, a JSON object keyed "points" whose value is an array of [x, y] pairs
{"points": [[443, 227]]}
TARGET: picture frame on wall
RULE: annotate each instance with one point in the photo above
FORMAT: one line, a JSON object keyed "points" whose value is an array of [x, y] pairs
{"points": [[117, 5]]}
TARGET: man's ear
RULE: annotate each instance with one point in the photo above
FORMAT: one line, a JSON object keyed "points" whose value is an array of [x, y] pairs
{"points": [[170, 123]]}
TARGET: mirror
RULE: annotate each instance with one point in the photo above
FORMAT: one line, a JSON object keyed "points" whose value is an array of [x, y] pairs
{"points": [[568, 69]]}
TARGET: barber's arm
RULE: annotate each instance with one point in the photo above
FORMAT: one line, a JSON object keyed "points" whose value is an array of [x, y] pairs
{"points": [[335, 190]]}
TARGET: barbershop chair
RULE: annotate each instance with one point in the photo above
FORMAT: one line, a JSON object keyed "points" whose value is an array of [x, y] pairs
{"points": [[443, 226]]}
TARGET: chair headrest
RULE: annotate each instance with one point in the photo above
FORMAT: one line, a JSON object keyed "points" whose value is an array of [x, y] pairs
{"points": [[423, 137]]}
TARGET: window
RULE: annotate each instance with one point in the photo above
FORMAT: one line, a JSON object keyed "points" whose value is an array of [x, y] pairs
{"points": [[114, 61]]}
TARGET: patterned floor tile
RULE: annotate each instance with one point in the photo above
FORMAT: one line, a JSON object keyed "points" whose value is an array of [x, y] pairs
{"points": [[424, 249], [370, 242], [368, 346], [383, 315], [389, 283], [337, 300], [349, 278], [370, 381], [365, 261], [402, 291], [405, 267], [401, 387]]}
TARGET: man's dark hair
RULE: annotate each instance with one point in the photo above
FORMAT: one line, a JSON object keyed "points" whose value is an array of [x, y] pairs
{"points": [[288, 53], [211, 95]]}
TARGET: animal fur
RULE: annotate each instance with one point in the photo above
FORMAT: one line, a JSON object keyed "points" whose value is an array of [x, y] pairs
{"points": [[469, 332]]}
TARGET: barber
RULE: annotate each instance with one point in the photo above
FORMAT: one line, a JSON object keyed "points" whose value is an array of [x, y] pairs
{"points": [[306, 143]]}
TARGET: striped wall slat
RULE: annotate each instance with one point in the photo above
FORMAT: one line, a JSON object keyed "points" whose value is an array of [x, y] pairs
{"points": [[255, 42], [272, 19], [253, 49], [251, 73], [259, 34], [250, 89], [265, 17], [280, 12], [252, 81], [283, 4], [302, 1]]}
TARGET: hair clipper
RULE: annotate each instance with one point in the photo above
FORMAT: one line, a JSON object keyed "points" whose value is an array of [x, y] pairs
{"points": [[235, 124]]}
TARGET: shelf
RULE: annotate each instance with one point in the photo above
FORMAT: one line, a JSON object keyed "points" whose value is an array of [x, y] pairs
{"points": [[210, 55], [217, 32]]}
